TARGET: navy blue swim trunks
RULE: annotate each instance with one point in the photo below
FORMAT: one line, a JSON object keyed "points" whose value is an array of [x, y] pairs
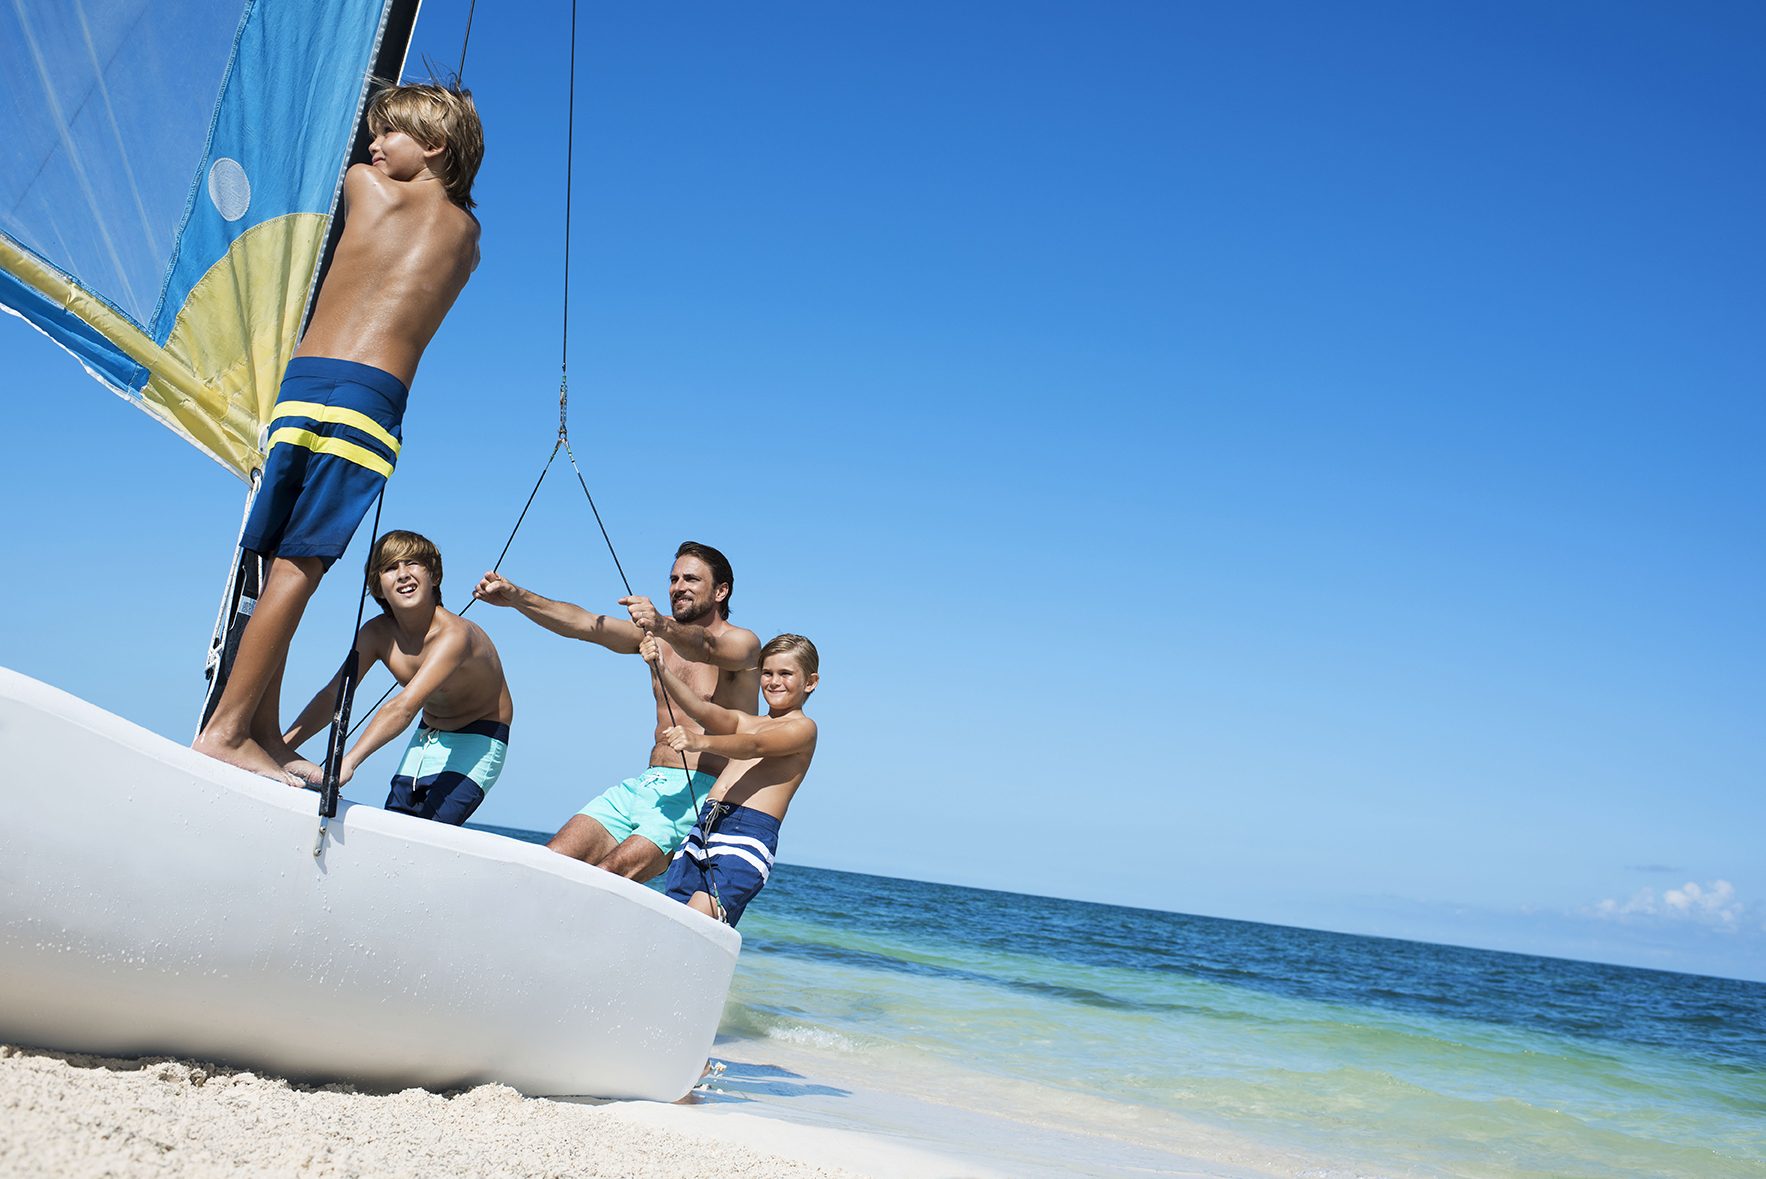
{"points": [[334, 437], [728, 856]]}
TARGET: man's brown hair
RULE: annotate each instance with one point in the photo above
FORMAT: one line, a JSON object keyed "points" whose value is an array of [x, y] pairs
{"points": [[721, 574], [436, 116], [399, 545], [796, 646]]}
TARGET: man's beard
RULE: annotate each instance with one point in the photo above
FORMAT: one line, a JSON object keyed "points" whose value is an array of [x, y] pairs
{"points": [[691, 613]]}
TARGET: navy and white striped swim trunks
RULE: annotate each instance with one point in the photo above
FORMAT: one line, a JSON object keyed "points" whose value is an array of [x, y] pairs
{"points": [[728, 856]]}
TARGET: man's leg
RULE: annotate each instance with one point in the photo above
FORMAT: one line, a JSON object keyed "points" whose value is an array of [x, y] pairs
{"points": [[585, 839], [635, 859], [263, 650], [582, 838]]}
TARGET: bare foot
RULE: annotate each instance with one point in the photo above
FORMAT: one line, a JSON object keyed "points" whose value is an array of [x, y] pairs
{"points": [[300, 767], [247, 755], [283, 754]]}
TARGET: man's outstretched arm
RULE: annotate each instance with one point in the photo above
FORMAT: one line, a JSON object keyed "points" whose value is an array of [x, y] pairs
{"points": [[734, 650], [573, 622]]}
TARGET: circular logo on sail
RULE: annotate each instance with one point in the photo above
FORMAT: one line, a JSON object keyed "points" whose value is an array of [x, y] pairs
{"points": [[229, 189]]}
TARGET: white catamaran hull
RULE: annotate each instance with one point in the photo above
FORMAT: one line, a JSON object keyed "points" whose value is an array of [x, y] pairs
{"points": [[155, 901]]}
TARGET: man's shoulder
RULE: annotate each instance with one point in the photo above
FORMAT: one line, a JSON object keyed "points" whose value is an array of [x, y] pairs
{"points": [[735, 635]]}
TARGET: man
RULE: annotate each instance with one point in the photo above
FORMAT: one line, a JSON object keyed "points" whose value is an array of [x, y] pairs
{"points": [[451, 676], [634, 828]]}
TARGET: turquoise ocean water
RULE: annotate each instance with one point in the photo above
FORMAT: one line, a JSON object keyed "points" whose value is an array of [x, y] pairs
{"points": [[1111, 1041]]}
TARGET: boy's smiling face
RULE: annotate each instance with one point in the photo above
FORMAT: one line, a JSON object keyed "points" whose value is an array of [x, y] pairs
{"points": [[407, 584], [398, 155], [783, 683]]}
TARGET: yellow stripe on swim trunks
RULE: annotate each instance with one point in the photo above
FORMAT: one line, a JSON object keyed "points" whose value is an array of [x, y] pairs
{"points": [[337, 415], [339, 447]]}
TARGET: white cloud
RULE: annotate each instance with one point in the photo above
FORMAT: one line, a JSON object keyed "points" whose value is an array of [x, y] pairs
{"points": [[1713, 904]]}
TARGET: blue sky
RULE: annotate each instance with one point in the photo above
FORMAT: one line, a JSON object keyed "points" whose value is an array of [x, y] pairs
{"points": [[1287, 462]]}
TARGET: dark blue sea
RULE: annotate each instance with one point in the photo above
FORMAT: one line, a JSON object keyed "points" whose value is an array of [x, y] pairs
{"points": [[1063, 1037]]}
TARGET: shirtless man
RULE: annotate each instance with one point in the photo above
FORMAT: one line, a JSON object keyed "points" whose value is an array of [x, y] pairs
{"points": [[451, 674], [728, 855], [636, 826], [408, 246]]}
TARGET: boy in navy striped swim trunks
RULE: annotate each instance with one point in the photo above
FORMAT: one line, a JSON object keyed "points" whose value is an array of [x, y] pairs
{"points": [[728, 855], [408, 246], [453, 681]]}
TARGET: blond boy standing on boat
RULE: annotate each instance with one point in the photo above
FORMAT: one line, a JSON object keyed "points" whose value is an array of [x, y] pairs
{"points": [[408, 246], [728, 855], [452, 676]]}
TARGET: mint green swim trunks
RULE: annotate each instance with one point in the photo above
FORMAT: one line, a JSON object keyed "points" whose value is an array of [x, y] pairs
{"points": [[658, 804]]}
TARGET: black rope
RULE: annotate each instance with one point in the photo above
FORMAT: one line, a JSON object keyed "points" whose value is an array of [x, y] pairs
{"points": [[569, 175], [348, 676], [667, 703], [518, 520], [563, 441], [494, 568], [460, 74]]}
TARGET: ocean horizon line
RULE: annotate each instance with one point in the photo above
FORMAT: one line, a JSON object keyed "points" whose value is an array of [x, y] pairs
{"points": [[529, 835]]}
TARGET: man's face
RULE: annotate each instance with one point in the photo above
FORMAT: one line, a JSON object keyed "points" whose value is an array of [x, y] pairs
{"points": [[783, 684], [398, 155], [691, 596], [407, 583]]}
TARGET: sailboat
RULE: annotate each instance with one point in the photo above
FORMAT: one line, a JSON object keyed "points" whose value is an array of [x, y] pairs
{"points": [[166, 218]]}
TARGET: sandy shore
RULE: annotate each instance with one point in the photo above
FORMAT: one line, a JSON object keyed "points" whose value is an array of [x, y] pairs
{"points": [[72, 1116]]}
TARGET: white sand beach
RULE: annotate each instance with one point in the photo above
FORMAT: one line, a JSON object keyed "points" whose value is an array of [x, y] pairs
{"points": [[72, 1116]]}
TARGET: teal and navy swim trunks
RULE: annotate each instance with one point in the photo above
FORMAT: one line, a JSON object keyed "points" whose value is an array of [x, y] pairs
{"points": [[445, 773], [658, 804], [334, 437]]}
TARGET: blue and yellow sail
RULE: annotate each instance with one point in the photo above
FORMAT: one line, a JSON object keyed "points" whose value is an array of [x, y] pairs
{"points": [[167, 185]]}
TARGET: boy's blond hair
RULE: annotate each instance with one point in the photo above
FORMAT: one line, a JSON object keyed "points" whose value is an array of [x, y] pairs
{"points": [[436, 116], [399, 545], [796, 646]]}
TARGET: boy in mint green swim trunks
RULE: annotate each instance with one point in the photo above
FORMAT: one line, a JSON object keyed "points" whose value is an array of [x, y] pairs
{"points": [[634, 828], [453, 680]]}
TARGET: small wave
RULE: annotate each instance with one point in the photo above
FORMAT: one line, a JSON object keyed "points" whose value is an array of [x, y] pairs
{"points": [[810, 1037]]}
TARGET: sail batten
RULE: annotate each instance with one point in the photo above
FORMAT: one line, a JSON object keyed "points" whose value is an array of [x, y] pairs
{"points": [[166, 200]]}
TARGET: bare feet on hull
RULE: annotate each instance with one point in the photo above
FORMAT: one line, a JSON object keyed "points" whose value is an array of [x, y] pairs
{"points": [[310, 774], [282, 753], [247, 755]]}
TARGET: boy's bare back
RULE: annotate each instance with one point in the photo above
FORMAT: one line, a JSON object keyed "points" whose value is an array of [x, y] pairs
{"points": [[405, 255]]}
